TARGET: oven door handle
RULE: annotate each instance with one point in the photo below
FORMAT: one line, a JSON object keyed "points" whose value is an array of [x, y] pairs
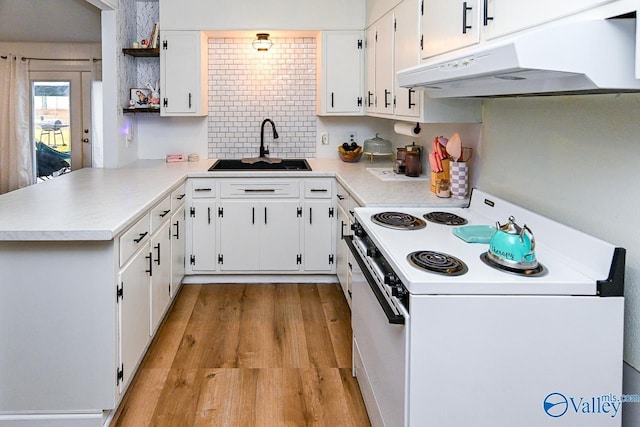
{"points": [[396, 319]]}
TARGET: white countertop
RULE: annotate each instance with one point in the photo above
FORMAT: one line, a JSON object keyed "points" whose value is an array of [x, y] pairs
{"points": [[97, 204]]}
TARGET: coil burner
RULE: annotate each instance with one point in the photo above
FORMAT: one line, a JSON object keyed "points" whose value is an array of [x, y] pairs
{"points": [[445, 218], [398, 221], [437, 262]]}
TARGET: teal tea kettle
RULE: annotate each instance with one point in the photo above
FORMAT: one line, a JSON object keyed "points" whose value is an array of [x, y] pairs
{"points": [[513, 246]]}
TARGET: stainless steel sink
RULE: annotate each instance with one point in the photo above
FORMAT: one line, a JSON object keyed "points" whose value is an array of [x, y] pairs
{"points": [[240, 165]]}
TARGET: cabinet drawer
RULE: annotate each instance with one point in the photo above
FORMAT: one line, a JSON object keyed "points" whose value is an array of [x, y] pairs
{"points": [[343, 197], [203, 187], [260, 188], [177, 196], [318, 188], [134, 238], [160, 213]]}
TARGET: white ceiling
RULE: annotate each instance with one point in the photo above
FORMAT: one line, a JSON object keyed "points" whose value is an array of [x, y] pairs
{"points": [[58, 21]]}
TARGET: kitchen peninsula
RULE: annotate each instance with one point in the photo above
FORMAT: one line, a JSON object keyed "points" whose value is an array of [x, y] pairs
{"points": [[75, 311]]}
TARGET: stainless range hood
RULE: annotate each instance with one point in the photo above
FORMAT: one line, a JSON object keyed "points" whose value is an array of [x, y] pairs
{"points": [[592, 56]]}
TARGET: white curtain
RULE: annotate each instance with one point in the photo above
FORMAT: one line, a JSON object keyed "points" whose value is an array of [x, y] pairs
{"points": [[16, 147]]}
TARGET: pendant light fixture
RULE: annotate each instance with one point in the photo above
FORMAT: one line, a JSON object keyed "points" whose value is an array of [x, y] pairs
{"points": [[262, 42]]}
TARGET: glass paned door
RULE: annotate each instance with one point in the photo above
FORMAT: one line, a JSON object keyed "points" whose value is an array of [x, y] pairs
{"points": [[61, 136]]}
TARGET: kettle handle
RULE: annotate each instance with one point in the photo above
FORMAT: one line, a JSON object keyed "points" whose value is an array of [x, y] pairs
{"points": [[533, 239]]}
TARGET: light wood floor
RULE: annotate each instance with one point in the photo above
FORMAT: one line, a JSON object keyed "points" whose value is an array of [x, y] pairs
{"points": [[249, 355]]}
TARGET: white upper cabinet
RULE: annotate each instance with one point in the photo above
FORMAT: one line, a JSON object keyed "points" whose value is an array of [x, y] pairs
{"points": [[501, 17], [406, 53], [393, 44], [449, 25], [384, 64], [183, 73], [455, 24], [370, 70], [340, 73]]}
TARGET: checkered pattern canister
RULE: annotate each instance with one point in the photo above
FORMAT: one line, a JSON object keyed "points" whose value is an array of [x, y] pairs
{"points": [[459, 179]]}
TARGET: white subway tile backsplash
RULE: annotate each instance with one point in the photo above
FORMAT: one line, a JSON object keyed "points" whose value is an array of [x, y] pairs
{"points": [[246, 86]]}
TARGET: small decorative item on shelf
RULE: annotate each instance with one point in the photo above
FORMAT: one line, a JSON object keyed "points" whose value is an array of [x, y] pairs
{"points": [[140, 97], [349, 153], [154, 99]]}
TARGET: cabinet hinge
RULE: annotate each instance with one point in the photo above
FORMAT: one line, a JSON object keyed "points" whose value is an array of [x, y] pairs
{"points": [[299, 212], [359, 44], [220, 259], [120, 374], [299, 259], [119, 292], [359, 101], [165, 44], [192, 212], [331, 259], [330, 212], [221, 212], [165, 102], [192, 260]]}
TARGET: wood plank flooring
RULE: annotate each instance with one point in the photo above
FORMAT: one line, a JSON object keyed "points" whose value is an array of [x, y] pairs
{"points": [[249, 355]]}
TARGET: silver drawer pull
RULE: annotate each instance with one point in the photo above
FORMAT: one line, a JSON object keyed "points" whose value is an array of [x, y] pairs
{"points": [[259, 190]]}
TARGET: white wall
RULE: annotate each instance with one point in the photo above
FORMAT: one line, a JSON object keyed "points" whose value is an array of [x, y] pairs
{"points": [[576, 160], [262, 15]]}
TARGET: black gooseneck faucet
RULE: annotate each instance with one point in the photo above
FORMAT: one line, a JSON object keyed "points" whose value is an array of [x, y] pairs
{"points": [[264, 152]]}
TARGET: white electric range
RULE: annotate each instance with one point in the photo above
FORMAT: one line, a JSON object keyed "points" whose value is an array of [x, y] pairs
{"points": [[476, 345]]}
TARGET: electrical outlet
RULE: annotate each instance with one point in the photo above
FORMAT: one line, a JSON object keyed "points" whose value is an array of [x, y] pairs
{"points": [[352, 136], [324, 138]]}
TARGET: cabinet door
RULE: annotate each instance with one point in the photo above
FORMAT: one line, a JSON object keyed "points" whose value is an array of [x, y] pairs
{"points": [[342, 254], [203, 235], [319, 235], [384, 64], [342, 68], [134, 313], [161, 275], [406, 54], [279, 235], [182, 73], [239, 235], [177, 250], [449, 25], [370, 73], [507, 16]]}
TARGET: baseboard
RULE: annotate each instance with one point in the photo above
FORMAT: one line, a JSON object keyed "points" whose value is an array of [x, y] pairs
{"points": [[259, 278], [630, 385]]}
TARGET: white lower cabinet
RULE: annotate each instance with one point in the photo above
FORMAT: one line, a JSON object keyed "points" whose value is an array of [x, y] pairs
{"points": [[201, 238], [134, 308], [178, 249], [160, 275], [319, 246], [261, 225], [258, 235], [343, 254]]}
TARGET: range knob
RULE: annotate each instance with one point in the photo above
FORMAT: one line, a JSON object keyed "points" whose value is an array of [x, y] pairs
{"points": [[398, 291], [373, 252], [390, 279], [358, 230]]}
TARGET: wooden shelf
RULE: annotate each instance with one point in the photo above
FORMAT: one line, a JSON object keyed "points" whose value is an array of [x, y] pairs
{"points": [[140, 110], [142, 53]]}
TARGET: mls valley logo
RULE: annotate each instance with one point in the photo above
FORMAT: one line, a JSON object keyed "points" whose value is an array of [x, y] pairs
{"points": [[557, 404]]}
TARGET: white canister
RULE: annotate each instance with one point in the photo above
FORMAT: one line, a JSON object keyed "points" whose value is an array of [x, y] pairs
{"points": [[459, 175]]}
